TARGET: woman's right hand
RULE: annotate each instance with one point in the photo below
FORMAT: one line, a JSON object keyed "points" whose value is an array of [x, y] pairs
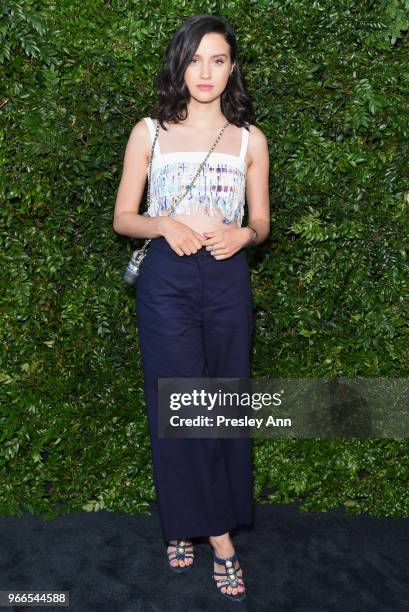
{"points": [[182, 238]]}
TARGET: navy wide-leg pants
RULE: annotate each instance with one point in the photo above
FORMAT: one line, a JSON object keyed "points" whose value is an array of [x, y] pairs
{"points": [[194, 318]]}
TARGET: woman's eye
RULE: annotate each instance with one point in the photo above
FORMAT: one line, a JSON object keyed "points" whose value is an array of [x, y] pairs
{"points": [[195, 60]]}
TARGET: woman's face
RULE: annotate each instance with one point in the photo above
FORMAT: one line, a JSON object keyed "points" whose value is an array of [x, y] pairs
{"points": [[210, 65]]}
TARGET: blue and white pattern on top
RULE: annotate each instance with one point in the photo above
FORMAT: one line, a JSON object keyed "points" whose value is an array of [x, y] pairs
{"points": [[218, 190]]}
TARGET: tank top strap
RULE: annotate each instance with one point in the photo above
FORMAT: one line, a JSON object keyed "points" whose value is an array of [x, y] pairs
{"points": [[151, 128], [244, 142]]}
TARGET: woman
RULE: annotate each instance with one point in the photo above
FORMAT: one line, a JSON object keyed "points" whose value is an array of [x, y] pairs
{"points": [[193, 297]]}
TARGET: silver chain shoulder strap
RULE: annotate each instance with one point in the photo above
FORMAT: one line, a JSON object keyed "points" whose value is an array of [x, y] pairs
{"points": [[131, 272]]}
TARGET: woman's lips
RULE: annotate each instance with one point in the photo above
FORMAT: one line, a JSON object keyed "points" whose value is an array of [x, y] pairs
{"points": [[205, 87]]}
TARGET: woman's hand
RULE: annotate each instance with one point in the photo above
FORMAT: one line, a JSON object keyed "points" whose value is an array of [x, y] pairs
{"points": [[225, 243], [182, 238]]}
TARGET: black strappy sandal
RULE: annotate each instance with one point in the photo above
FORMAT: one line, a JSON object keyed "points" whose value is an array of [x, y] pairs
{"points": [[180, 553], [231, 578]]}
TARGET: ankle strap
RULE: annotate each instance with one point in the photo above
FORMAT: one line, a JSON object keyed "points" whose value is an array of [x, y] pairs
{"points": [[222, 561]]}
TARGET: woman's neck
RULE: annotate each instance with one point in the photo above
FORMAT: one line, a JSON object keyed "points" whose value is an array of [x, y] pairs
{"points": [[204, 118]]}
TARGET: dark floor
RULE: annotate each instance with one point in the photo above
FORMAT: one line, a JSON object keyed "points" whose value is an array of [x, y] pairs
{"points": [[292, 561]]}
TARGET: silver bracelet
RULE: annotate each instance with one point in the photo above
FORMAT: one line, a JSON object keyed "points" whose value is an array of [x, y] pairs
{"points": [[254, 238]]}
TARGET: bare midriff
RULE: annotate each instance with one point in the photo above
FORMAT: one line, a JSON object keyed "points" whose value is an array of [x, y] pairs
{"points": [[204, 223]]}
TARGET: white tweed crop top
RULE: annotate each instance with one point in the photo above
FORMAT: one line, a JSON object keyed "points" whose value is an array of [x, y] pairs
{"points": [[219, 190]]}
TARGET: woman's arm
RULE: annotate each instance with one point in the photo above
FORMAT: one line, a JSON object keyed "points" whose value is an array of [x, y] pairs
{"points": [[257, 189], [127, 220]]}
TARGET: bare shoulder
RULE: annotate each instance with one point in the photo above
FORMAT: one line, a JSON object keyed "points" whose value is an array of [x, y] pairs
{"points": [[258, 144], [257, 138], [140, 130], [140, 138]]}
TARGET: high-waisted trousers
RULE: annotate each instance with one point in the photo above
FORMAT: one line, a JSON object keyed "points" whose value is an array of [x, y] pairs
{"points": [[194, 318]]}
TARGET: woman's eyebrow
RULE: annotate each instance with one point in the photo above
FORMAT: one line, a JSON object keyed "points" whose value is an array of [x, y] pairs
{"points": [[216, 55]]}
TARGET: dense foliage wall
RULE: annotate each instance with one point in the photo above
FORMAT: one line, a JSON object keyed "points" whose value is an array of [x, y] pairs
{"points": [[329, 84]]}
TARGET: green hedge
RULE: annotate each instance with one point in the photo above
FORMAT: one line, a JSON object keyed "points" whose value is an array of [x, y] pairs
{"points": [[330, 89]]}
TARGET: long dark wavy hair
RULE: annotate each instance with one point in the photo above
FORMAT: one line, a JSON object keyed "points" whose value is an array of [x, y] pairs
{"points": [[172, 91]]}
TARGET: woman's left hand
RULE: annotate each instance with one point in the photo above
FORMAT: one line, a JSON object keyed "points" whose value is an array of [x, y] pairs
{"points": [[222, 244]]}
